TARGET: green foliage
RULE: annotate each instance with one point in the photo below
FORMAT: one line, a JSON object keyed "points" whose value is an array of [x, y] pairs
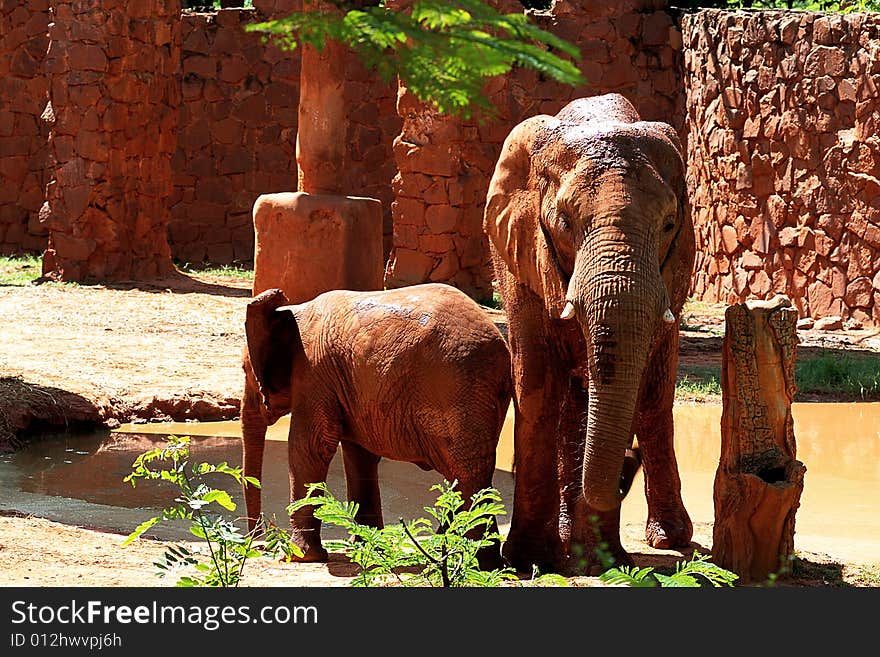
{"points": [[855, 377], [228, 549], [868, 575], [443, 50], [699, 571], [698, 383], [858, 376], [19, 271], [414, 553], [218, 271]]}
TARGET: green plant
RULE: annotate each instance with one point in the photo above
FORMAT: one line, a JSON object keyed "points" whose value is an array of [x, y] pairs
{"points": [[868, 575], [686, 574], [19, 271], [698, 383], [442, 50], [414, 553], [218, 271], [858, 376], [227, 548]]}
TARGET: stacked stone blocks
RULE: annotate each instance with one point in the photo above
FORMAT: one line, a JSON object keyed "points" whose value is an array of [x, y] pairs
{"points": [[784, 158], [112, 68], [23, 90]]}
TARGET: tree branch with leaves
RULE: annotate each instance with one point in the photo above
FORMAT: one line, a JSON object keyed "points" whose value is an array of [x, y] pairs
{"points": [[442, 51]]}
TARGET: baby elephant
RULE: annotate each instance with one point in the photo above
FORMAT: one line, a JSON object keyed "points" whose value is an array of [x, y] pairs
{"points": [[417, 374]]}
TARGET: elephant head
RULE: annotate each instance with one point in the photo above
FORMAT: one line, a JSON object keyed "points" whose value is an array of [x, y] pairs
{"points": [[272, 341], [588, 210]]}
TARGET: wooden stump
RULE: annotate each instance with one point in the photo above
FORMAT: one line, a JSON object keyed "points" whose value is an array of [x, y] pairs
{"points": [[759, 482]]}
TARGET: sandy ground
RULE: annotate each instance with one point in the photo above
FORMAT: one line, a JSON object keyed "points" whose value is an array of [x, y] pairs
{"points": [[38, 552], [172, 350]]}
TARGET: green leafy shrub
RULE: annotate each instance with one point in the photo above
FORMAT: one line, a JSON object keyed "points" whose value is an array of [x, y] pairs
{"points": [[414, 553], [689, 574], [227, 548], [442, 50]]}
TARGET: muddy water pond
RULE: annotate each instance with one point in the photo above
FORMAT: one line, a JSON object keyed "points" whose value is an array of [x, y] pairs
{"points": [[78, 479]]}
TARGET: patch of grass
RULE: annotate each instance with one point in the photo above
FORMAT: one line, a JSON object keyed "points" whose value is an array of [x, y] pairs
{"points": [[843, 376], [495, 302], [866, 575], [855, 376], [19, 271], [218, 271], [696, 307], [698, 383]]}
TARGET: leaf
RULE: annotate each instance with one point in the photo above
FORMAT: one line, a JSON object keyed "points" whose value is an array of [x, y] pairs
{"points": [[443, 51], [187, 582], [625, 576], [221, 497], [140, 529]]}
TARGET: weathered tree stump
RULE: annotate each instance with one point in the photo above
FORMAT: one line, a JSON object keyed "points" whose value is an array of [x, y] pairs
{"points": [[759, 482]]}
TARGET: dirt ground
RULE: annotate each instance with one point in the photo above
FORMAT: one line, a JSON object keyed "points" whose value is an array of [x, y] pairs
{"points": [[171, 350]]}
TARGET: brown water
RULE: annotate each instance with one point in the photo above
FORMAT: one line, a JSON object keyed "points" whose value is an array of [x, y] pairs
{"points": [[78, 479], [839, 444]]}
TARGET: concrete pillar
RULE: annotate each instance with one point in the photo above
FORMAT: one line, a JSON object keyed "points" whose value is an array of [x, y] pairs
{"points": [[307, 244]]}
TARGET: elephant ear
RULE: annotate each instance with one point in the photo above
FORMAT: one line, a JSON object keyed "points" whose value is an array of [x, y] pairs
{"points": [[271, 338], [512, 216], [666, 153]]}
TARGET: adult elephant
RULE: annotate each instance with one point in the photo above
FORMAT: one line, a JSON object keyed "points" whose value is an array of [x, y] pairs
{"points": [[592, 246]]}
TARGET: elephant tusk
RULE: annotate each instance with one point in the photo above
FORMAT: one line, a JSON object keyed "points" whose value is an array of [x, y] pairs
{"points": [[668, 317], [568, 311]]}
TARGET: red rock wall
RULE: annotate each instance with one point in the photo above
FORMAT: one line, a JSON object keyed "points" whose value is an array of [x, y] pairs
{"points": [[784, 159], [237, 135], [23, 95], [114, 92], [238, 125], [631, 47]]}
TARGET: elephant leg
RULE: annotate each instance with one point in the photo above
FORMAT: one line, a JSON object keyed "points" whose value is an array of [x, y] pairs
{"points": [[668, 523], [470, 481], [533, 539], [253, 441], [311, 445], [362, 482]]}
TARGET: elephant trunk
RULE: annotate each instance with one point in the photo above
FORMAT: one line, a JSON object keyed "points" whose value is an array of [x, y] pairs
{"points": [[618, 305]]}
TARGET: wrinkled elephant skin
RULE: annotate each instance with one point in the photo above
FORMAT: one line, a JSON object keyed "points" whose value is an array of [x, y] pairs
{"points": [[418, 374], [593, 247]]}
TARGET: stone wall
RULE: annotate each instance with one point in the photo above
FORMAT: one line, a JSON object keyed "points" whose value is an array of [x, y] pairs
{"points": [[237, 135], [784, 158], [114, 91], [632, 47], [238, 126], [23, 94]]}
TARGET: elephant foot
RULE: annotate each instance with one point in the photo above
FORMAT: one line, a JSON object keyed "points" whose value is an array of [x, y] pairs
{"points": [[523, 555], [489, 558], [312, 550], [669, 530], [587, 560]]}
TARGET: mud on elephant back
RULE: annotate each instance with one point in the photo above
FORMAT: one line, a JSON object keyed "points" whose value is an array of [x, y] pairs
{"points": [[418, 374], [592, 245]]}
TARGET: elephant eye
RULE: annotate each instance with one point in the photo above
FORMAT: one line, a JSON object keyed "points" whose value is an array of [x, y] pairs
{"points": [[669, 225], [564, 221]]}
